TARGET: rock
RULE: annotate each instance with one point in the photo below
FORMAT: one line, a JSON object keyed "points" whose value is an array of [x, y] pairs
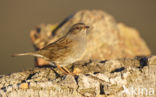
{"points": [[126, 77], [107, 39]]}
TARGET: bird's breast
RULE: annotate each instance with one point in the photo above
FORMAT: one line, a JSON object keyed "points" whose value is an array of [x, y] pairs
{"points": [[72, 53]]}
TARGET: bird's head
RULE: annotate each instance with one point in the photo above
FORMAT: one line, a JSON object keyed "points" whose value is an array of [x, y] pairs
{"points": [[79, 28]]}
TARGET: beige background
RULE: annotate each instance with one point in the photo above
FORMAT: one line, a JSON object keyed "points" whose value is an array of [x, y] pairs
{"points": [[18, 17]]}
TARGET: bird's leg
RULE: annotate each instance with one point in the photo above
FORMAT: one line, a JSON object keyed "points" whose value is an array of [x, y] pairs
{"points": [[75, 72], [63, 69], [59, 67], [66, 69]]}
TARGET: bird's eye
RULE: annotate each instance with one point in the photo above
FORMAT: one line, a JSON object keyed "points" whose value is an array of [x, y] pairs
{"points": [[77, 28]]}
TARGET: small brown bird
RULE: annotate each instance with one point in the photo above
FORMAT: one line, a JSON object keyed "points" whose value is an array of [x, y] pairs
{"points": [[65, 50]]}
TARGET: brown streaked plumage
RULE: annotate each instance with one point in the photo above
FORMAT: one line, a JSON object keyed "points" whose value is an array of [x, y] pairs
{"points": [[65, 50]]}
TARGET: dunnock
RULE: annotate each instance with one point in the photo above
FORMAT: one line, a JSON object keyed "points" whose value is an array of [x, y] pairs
{"points": [[65, 50]]}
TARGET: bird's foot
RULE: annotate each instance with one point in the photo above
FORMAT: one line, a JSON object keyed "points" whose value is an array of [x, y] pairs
{"points": [[75, 72]]}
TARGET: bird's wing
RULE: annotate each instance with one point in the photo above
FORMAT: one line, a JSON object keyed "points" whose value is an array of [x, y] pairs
{"points": [[57, 50]]}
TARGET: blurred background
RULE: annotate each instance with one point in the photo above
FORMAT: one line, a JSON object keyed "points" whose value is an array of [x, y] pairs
{"points": [[19, 17]]}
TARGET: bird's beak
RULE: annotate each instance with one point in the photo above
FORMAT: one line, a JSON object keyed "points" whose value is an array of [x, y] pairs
{"points": [[87, 27]]}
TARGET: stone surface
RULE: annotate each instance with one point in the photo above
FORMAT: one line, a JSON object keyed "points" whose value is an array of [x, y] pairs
{"points": [[107, 39], [124, 77]]}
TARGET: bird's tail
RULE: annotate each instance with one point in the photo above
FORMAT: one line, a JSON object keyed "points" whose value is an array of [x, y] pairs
{"points": [[27, 54]]}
